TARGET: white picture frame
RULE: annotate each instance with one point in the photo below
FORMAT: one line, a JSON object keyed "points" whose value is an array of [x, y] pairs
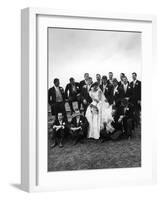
{"points": [[34, 177]]}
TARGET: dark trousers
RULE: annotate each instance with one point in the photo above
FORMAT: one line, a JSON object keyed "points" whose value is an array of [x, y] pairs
{"points": [[113, 136], [85, 106], [58, 107], [77, 135], [58, 136], [73, 99], [137, 109], [128, 126], [104, 135]]}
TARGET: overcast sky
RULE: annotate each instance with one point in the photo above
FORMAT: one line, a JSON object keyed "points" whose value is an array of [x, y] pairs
{"points": [[74, 52]]}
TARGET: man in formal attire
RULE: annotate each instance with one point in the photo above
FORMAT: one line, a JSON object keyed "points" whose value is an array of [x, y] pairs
{"points": [[72, 93], [79, 127], [84, 82], [98, 79], [110, 80], [126, 113], [56, 98], [106, 89], [136, 97], [85, 97], [121, 79], [115, 93], [125, 89], [60, 128]]}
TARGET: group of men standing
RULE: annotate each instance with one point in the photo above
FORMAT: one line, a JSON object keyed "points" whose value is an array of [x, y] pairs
{"points": [[120, 94]]}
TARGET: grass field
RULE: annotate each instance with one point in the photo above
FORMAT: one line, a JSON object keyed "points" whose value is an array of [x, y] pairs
{"points": [[91, 154]]}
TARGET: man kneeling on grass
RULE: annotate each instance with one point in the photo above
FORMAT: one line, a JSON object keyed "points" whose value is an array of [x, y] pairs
{"points": [[60, 128], [79, 127], [116, 130]]}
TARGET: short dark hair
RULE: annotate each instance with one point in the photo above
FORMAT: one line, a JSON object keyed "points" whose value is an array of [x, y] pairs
{"points": [[115, 80], [110, 72], [134, 73], [95, 84], [104, 77], [56, 80], [122, 74], [71, 79]]}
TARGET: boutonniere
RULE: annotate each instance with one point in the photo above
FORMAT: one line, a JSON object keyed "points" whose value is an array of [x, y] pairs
{"points": [[116, 91], [136, 83], [127, 108], [129, 87], [106, 88], [63, 123]]}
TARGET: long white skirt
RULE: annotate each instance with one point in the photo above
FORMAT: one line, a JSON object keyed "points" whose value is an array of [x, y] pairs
{"points": [[96, 120]]}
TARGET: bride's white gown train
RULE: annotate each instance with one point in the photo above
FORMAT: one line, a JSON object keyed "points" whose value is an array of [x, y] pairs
{"points": [[98, 113]]}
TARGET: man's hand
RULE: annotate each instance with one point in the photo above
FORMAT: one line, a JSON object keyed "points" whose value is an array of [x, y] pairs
{"points": [[120, 119], [58, 127], [139, 102], [75, 128]]}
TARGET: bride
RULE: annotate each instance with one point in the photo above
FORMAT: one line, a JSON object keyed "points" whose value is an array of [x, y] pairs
{"points": [[98, 113]]}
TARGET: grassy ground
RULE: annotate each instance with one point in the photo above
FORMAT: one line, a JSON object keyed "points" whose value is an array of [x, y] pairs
{"points": [[91, 154]]}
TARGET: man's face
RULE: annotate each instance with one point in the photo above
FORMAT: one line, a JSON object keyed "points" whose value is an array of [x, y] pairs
{"points": [[72, 81], [124, 79], [134, 77], [57, 83], [121, 76], [113, 112], [86, 76], [89, 81], [104, 81], [60, 116], [98, 77], [110, 75], [114, 83]]}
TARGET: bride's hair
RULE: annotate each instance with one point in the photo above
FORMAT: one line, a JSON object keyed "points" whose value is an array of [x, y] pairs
{"points": [[95, 84]]}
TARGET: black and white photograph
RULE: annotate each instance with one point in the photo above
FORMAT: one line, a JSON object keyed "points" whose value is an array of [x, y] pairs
{"points": [[94, 99]]}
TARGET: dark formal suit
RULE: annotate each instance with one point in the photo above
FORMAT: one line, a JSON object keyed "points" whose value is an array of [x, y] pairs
{"points": [[81, 84], [81, 133], [119, 83], [85, 96], [136, 91], [107, 91], [127, 93], [56, 106], [59, 135], [109, 82], [72, 93], [115, 95], [128, 118], [135, 98]]}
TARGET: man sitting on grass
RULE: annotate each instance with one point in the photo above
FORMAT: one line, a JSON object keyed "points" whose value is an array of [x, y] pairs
{"points": [[79, 126], [60, 128]]}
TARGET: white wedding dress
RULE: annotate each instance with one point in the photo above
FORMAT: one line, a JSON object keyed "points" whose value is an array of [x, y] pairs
{"points": [[98, 113]]}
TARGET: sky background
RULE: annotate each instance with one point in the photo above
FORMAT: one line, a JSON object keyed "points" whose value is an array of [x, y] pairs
{"points": [[72, 52]]}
